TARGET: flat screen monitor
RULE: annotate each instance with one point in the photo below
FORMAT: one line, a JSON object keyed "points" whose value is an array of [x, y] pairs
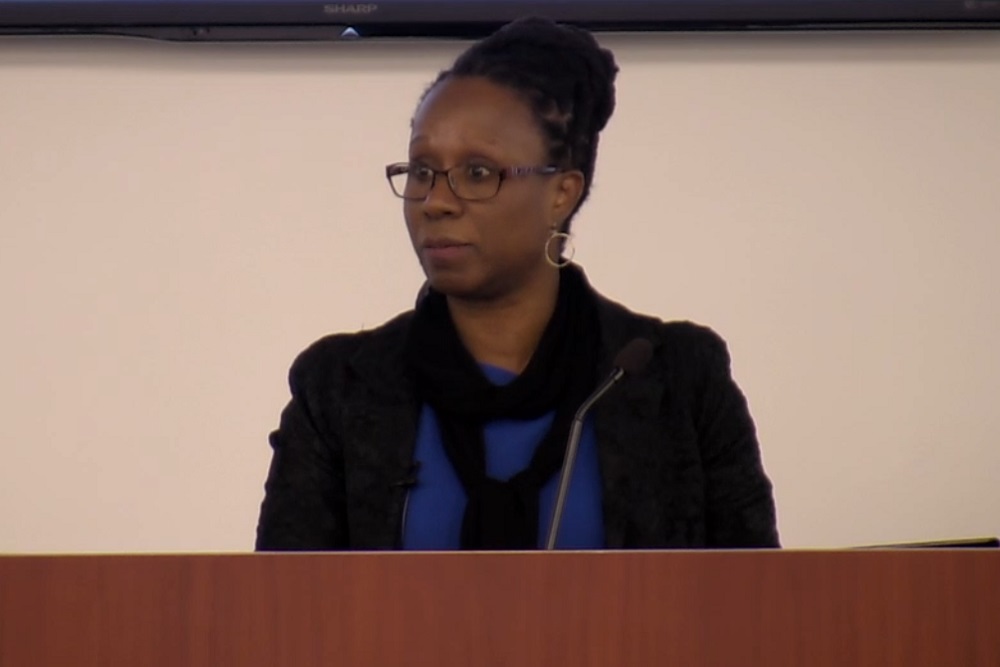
{"points": [[303, 20]]}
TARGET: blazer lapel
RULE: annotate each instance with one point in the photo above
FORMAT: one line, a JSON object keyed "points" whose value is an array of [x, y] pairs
{"points": [[380, 428], [625, 421]]}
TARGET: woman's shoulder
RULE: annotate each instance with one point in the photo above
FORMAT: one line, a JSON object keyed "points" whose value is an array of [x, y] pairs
{"points": [[331, 354], [673, 338]]}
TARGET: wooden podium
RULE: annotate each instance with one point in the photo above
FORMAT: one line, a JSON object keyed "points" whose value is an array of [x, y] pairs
{"points": [[933, 608]]}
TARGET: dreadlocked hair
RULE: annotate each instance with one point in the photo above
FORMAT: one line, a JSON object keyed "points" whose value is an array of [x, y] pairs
{"points": [[562, 72]]}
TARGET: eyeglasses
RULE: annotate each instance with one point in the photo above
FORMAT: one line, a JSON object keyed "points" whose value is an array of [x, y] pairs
{"points": [[472, 182]]}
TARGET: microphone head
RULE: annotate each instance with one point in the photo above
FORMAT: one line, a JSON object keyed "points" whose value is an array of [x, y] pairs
{"points": [[634, 356]]}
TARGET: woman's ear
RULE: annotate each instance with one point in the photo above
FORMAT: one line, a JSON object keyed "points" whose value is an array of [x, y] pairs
{"points": [[569, 189]]}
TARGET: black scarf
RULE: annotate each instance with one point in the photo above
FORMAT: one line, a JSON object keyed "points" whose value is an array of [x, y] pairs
{"points": [[559, 377]]}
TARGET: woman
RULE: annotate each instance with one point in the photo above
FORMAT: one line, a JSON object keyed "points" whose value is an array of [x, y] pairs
{"points": [[445, 428]]}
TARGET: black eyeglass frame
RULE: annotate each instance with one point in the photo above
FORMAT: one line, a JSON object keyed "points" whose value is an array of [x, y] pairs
{"points": [[399, 168]]}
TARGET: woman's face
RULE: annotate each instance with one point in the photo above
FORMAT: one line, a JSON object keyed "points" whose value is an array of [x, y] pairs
{"points": [[492, 248]]}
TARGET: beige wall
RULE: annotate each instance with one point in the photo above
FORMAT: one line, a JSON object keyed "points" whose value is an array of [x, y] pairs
{"points": [[177, 221]]}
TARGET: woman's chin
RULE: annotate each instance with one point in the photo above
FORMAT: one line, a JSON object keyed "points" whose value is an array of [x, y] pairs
{"points": [[453, 286], [459, 286]]}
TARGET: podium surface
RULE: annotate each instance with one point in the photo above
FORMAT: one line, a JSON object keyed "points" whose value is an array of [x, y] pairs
{"points": [[931, 608]]}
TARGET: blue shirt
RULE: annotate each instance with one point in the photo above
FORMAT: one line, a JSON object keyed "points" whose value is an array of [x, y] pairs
{"points": [[437, 502]]}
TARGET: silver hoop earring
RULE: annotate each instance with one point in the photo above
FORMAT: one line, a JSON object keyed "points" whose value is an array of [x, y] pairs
{"points": [[564, 240]]}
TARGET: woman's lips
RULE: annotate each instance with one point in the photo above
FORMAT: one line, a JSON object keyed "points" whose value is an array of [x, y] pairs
{"points": [[445, 251]]}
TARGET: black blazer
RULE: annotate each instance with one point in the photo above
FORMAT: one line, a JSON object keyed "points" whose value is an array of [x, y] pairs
{"points": [[677, 448]]}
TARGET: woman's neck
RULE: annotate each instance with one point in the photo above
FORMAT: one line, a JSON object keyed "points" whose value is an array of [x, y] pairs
{"points": [[505, 332]]}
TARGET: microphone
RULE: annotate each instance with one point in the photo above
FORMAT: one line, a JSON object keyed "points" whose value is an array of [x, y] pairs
{"points": [[630, 360], [406, 484], [411, 479]]}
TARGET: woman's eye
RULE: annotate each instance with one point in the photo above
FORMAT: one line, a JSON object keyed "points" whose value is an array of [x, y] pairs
{"points": [[478, 172], [421, 172]]}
